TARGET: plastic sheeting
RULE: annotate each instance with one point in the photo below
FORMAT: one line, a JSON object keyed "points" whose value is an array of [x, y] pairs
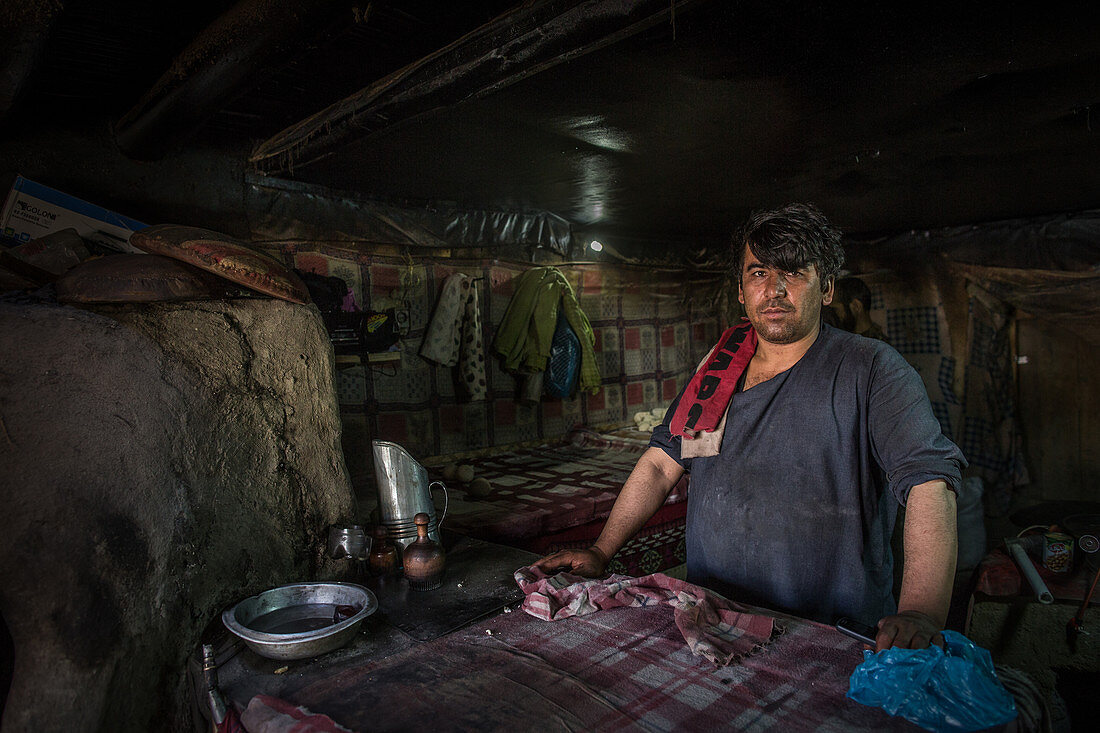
{"points": [[1070, 299], [1070, 242], [1049, 268], [282, 210]]}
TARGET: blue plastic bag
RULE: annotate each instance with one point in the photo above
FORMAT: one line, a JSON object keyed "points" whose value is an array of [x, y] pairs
{"points": [[565, 359], [950, 689]]}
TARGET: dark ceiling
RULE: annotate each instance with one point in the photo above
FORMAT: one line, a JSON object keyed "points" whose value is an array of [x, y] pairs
{"points": [[672, 125]]}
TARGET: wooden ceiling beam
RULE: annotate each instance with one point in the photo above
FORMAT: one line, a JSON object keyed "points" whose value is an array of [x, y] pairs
{"points": [[530, 38], [221, 61]]}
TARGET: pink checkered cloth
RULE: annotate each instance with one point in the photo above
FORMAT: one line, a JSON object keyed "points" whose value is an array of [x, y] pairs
{"points": [[620, 669], [266, 714], [711, 625]]}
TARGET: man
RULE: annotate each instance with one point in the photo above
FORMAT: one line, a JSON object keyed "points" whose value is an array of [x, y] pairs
{"points": [[852, 307], [796, 480]]}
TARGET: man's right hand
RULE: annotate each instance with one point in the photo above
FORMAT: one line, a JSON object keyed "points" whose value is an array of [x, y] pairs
{"points": [[642, 495], [590, 563]]}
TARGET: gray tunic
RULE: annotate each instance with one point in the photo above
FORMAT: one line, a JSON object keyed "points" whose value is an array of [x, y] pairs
{"points": [[796, 512]]}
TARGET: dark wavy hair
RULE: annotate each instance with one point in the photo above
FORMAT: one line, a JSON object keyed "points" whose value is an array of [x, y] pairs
{"points": [[789, 238]]}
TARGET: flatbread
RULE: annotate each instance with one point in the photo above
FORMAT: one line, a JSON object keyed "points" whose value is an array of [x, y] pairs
{"points": [[223, 256], [139, 278]]}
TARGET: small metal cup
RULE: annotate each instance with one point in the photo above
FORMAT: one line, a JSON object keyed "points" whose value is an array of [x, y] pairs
{"points": [[348, 543]]}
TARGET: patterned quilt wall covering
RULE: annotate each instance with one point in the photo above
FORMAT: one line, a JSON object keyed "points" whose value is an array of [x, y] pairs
{"points": [[651, 327], [968, 377]]}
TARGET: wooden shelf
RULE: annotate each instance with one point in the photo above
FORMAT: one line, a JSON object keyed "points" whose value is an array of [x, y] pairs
{"points": [[382, 357]]}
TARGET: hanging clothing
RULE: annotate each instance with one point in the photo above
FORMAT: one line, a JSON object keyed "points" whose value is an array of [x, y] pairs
{"points": [[454, 334], [526, 332], [565, 359]]}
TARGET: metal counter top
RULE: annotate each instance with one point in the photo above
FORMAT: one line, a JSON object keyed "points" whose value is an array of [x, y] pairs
{"points": [[477, 583]]}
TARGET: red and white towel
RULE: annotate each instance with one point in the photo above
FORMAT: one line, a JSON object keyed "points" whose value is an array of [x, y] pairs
{"points": [[700, 417], [266, 714], [711, 625]]}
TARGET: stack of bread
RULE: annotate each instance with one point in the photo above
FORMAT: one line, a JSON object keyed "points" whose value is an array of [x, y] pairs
{"points": [[646, 421], [464, 474]]}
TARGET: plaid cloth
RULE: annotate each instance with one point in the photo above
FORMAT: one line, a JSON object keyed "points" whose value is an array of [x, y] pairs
{"points": [[266, 714], [709, 623], [231, 723], [625, 668]]}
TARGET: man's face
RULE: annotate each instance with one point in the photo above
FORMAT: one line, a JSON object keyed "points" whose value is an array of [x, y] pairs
{"points": [[783, 307]]}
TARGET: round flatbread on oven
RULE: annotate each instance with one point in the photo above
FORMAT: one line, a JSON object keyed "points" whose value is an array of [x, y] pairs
{"points": [[140, 278], [224, 256]]}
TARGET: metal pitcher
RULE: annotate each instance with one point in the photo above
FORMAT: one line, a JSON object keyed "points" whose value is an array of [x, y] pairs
{"points": [[403, 492]]}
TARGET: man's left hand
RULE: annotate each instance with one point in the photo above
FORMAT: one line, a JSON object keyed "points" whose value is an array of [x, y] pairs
{"points": [[908, 630]]}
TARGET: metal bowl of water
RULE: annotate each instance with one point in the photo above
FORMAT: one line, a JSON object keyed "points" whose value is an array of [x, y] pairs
{"points": [[300, 620]]}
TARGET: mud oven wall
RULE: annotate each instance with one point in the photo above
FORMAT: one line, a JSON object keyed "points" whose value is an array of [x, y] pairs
{"points": [[160, 463]]}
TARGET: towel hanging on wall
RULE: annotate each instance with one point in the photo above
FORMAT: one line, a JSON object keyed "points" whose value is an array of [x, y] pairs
{"points": [[454, 334]]}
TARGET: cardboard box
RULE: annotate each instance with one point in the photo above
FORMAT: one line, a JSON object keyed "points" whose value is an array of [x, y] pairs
{"points": [[33, 210]]}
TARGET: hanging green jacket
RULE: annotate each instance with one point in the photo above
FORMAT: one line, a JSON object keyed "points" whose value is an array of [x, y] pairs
{"points": [[524, 335]]}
